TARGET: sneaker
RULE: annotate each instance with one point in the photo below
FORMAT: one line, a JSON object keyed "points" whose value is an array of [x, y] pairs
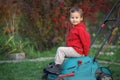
{"points": [[55, 69]]}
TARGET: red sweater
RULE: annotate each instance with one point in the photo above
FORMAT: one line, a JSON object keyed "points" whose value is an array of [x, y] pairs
{"points": [[79, 39]]}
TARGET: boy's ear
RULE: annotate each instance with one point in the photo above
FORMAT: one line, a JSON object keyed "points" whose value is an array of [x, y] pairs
{"points": [[81, 18]]}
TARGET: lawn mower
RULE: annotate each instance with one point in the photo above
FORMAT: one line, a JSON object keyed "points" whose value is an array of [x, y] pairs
{"points": [[84, 68]]}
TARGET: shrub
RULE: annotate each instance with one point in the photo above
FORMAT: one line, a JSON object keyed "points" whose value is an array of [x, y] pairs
{"points": [[44, 22]]}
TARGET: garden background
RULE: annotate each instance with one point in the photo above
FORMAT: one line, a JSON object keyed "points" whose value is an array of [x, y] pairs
{"points": [[38, 27]]}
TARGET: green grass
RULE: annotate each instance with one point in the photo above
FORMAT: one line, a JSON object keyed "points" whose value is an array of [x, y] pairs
{"points": [[33, 70], [32, 53], [22, 70], [104, 56]]}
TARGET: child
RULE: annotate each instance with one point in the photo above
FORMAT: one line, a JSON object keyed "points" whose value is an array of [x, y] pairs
{"points": [[78, 40]]}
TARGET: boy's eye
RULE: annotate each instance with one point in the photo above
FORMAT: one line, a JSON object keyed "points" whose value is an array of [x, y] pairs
{"points": [[77, 17], [72, 17]]}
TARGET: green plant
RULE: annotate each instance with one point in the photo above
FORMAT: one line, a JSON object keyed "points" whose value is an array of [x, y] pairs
{"points": [[16, 46], [3, 47], [12, 44]]}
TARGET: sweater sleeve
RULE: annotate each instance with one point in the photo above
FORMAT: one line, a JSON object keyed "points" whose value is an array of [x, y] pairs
{"points": [[85, 40]]}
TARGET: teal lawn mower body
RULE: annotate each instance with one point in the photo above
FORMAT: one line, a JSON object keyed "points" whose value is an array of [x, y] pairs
{"points": [[81, 68]]}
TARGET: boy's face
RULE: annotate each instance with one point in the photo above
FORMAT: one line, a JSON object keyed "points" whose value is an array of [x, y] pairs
{"points": [[75, 18]]}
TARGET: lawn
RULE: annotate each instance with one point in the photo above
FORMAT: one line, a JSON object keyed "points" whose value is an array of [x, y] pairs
{"points": [[22, 70], [33, 70]]}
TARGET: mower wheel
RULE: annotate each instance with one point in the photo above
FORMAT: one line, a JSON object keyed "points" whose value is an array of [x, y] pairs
{"points": [[105, 77]]}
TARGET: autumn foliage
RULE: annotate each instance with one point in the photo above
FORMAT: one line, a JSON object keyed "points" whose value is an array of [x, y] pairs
{"points": [[44, 22]]}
